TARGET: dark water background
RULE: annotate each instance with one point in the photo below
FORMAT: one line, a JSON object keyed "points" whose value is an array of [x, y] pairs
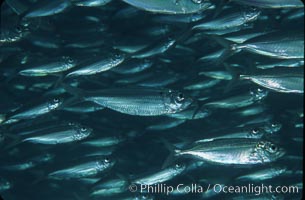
{"points": [[146, 152]]}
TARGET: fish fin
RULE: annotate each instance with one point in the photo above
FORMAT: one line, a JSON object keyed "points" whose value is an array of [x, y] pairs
{"points": [[76, 92], [205, 140], [58, 81], [17, 6], [171, 158], [2, 118], [219, 8], [72, 90], [230, 48], [235, 78]]}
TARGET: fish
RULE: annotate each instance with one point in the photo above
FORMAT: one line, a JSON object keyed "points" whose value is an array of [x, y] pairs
{"points": [[61, 135], [5, 185], [279, 79], [140, 101], [90, 3], [281, 45], [170, 7], [62, 64], [161, 176], [97, 65], [231, 20], [234, 151], [272, 4], [254, 95], [263, 174], [113, 96], [33, 112], [43, 9], [110, 188], [87, 169]]}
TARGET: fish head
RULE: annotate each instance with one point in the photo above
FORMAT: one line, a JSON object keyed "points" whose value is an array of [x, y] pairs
{"points": [[269, 151], [258, 94], [105, 163], [251, 13], [178, 101], [69, 61], [5, 185], [178, 168], [273, 127], [82, 132], [54, 103], [256, 133], [144, 197], [117, 58]]}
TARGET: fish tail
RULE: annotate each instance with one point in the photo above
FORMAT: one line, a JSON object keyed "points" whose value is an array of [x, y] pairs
{"points": [[76, 92], [2, 118], [17, 6], [173, 153], [230, 48], [233, 81]]}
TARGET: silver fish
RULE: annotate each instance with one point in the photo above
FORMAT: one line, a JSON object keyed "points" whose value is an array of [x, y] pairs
{"points": [[161, 176], [229, 21], [59, 65], [110, 187], [255, 95], [87, 169], [63, 135], [5, 185], [90, 3], [170, 6], [43, 8], [98, 65], [140, 101], [263, 174], [34, 112], [234, 151], [279, 79], [288, 45], [272, 3]]}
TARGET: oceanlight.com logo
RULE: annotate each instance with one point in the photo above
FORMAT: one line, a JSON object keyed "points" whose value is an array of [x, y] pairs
{"points": [[216, 188]]}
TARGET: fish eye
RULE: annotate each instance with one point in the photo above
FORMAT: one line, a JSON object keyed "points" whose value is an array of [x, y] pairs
{"points": [[107, 160], [83, 129], [272, 148], [255, 131], [19, 29], [55, 100], [180, 97], [70, 60], [178, 166], [117, 55], [273, 125], [197, 1]]}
